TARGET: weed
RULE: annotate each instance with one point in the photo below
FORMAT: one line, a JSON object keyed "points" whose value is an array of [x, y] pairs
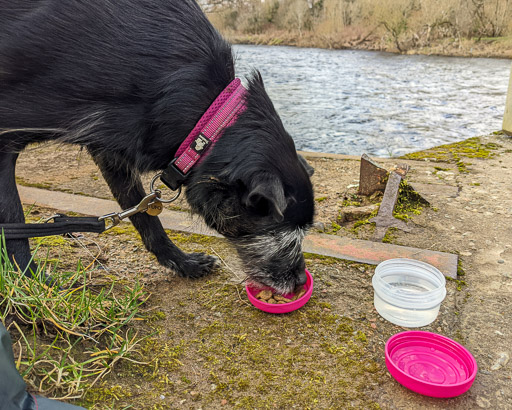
{"points": [[67, 336]]}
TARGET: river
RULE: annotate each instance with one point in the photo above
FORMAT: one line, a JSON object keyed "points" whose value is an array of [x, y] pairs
{"points": [[354, 102]]}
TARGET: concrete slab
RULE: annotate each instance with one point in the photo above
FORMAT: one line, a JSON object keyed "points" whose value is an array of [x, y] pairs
{"points": [[329, 245], [375, 252]]}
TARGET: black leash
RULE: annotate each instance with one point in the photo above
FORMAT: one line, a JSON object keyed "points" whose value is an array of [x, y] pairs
{"points": [[63, 224]]}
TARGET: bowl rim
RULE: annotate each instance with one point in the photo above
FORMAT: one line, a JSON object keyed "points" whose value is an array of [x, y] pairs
{"points": [[282, 308], [394, 295], [410, 335]]}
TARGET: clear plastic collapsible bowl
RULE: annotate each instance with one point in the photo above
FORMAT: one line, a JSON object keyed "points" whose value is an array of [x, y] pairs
{"points": [[408, 292]]}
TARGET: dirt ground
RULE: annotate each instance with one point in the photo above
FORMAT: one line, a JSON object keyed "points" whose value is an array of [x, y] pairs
{"points": [[209, 348]]}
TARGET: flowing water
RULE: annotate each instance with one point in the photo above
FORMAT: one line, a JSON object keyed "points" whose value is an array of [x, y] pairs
{"points": [[352, 102]]}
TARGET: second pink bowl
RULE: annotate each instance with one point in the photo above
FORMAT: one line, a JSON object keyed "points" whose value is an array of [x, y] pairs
{"points": [[430, 364]]}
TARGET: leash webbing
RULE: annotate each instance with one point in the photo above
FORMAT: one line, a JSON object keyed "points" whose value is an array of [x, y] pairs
{"points": [[62, 224]]}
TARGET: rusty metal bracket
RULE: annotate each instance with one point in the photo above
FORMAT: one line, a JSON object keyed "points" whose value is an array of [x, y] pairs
{"points": [[385, 218], [372, 177]]}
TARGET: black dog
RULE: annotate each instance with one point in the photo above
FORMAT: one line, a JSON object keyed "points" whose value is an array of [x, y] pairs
{"points": [[128, 80]]}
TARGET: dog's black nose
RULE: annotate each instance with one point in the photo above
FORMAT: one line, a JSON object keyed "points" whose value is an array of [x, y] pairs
{"points": [[301, 277]]}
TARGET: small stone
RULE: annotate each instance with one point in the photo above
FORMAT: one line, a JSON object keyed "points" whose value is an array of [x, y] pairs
{"points": [[466, 253], [373, 325], [502, 361], [499, 333], [194, 393], [501, 261], [223, 402], [482, 402], [320, 226], [354, 213], [162, 397]]}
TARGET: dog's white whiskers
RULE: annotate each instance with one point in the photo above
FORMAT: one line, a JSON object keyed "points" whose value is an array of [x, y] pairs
{"points": [[224, 262], [32, 130]]}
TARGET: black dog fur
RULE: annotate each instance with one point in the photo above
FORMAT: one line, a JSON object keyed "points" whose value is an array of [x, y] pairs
{"points": [[128, 80]]}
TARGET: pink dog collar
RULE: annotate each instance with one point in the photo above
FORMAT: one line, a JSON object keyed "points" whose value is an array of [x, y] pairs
{"points": [[222, 113]]}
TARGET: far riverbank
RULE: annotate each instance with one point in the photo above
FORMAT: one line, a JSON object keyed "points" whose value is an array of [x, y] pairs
{"points": [[498, 47]]}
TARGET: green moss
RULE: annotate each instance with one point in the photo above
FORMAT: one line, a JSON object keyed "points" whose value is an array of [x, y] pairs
{"points": [[124, 228], [196, 239], [321, 199], [156, 315], [21, 181], [217, 348], [363, 222], [390, 235], [470, 148], [107, 394], [325, 305], [334, 228], [409, 202], [361, 336], [324, 260], [460, 269], [54, 241], [459, 283], [347, 202]]}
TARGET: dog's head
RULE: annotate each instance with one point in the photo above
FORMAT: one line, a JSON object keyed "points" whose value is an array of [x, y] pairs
{"points": [[255, 190]]}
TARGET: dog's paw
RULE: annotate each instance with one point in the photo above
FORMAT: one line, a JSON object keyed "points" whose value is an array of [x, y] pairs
{"points": [[195, 265]]}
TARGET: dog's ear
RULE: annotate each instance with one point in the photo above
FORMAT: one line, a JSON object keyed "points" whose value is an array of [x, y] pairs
{"points": [[266, 197], [309, 169]]}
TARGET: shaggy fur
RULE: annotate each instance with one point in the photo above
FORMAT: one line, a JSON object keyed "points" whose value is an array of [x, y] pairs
{"points": [[128, 80]]}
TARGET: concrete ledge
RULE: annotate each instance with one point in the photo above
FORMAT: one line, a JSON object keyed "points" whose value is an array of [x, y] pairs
{"points": [[321, 244], [375, 252]]}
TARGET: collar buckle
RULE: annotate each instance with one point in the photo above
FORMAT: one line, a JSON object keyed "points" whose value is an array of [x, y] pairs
{"points": [[172, 176]]}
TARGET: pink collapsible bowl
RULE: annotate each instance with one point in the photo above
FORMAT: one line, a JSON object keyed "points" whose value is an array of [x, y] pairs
{"points": [[430, 364], [285, 307]]}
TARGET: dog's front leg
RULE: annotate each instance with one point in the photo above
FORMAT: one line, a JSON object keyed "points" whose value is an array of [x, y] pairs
{"points": [[127, 189], [11, 211]]}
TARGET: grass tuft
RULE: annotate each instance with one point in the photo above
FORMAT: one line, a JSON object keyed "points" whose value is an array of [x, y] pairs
{"points": [[67, 336]]}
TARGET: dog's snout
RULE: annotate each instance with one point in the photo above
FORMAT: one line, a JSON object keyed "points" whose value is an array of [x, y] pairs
{"points": [[301, 277]]}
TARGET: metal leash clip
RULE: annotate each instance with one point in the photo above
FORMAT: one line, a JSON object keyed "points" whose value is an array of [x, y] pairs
{"points": [[143, 206], [151, 204]]}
